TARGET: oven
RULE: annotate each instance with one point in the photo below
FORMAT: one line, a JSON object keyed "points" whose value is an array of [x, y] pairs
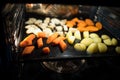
{"points": [[46, 40]]}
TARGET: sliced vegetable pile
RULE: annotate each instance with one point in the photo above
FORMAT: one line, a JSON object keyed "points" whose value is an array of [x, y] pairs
{"points": [[56, 31], [93, 43], [84, 25]]}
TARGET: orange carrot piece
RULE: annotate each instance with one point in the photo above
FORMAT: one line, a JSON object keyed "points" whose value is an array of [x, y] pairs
{"points": [[40, 42], [82, 29], [98, 25], [88, 28], [30, 37], [27, 41], [89, 22], [63, 45], [41, 35], [81, 23], [46, 50], [28, 50], [75, 19], [70, 24], [92, 28], [58, 39], [51, 38], [23, 43]]}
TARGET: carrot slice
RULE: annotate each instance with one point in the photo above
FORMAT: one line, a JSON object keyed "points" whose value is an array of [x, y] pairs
{"points": [[40, 42], [98, 25], [24, 43], [92, 28], [27, 41], [28, 50], [58, 39], [46, 50], [82, 29], [81, 23], [70, 23], [63, 45], [89, 22], [52, 37], [75, 19], [41, 34], [88, 28]]}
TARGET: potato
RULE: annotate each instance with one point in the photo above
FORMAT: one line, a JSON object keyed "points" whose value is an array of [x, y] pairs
{"points": [[104, 36], [87, 41], [77, 35], [97, 40], [71, 39], [117, 49], [102, 47], [114, 42], [92, 48], [72, 29], [80, 47], [68, 34], [108, 42], [86, 34], [94, 35]]}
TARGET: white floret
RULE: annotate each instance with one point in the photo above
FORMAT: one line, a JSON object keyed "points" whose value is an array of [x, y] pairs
{"points": [[62, 22], [59, 28], [55, 21], [30, 21], [48, 31], [46, 20], [61, 33], [38, 22], [65, 28], [43, 25]]}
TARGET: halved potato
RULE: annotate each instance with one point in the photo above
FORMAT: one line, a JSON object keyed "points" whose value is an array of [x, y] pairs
{"points": [[80, 47], [94, 35], [77, 34], [86, 34], [87, 41], [117, 49], [97, 40], [104, 36], [68, 34], [114, 42], [71, 39], [108, 42], [102, 47], [92, 48]]}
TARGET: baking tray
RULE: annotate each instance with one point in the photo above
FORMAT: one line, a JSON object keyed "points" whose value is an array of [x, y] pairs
{"points": [[69, 53]]}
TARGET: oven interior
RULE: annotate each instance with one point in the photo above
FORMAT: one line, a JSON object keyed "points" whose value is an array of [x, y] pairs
{"points": [[15, 16], [18, 14]]}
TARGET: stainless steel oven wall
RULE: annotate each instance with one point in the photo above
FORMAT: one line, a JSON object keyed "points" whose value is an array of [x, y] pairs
{"points": [[62, 10], [87, 11], [110, 18], [12, 15]]}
